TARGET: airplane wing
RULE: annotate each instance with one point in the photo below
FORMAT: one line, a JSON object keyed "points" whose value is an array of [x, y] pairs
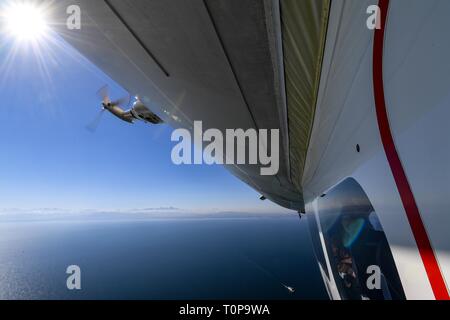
{"points": [[222, 62]]}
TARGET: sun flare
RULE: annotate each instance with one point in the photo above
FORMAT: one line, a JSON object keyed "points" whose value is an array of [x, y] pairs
{"points": [[25, 21]]}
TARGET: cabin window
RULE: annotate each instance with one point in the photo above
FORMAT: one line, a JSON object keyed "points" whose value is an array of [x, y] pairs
{"points": [[357, 248]]}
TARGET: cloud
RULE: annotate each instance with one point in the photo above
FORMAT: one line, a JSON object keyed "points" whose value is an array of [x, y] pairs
{"points": [[158, 209], [37, 211], [163, 212]]}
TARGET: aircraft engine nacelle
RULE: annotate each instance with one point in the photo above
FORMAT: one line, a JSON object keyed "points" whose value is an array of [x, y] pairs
{"points": [[141, 112]]}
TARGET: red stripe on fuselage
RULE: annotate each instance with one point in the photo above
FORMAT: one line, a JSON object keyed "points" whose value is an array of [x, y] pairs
{"points": [[409, 203]]}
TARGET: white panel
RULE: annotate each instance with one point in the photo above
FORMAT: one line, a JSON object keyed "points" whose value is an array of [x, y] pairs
{"points": [[417, 85], [345, 117]]}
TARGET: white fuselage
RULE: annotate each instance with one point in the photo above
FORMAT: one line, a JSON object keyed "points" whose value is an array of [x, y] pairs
{"points": [[416, 81]]}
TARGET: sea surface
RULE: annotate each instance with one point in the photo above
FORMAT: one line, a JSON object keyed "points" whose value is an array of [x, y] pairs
{"points": [[238, 258]]}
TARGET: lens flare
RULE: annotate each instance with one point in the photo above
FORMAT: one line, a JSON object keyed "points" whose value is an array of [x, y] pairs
{"points": [[25, 21]]}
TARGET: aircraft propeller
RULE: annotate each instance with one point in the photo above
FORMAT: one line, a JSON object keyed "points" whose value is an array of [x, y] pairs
{"points": [[103, 94]]}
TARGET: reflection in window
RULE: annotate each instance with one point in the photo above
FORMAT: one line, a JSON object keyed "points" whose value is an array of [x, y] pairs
{"points": [[355, 241]]}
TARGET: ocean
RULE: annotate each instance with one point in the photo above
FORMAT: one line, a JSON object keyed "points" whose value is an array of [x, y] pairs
{"points": [[162, 259]]}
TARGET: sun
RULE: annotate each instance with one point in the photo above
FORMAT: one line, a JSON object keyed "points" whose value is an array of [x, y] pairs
{"points": [[25, 21]]}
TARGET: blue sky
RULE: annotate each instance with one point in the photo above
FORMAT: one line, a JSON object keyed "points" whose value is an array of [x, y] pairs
{"points": [[49, 160]]}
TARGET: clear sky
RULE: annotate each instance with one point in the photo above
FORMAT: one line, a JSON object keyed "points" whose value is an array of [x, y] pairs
{"points": [[49, 160]]}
